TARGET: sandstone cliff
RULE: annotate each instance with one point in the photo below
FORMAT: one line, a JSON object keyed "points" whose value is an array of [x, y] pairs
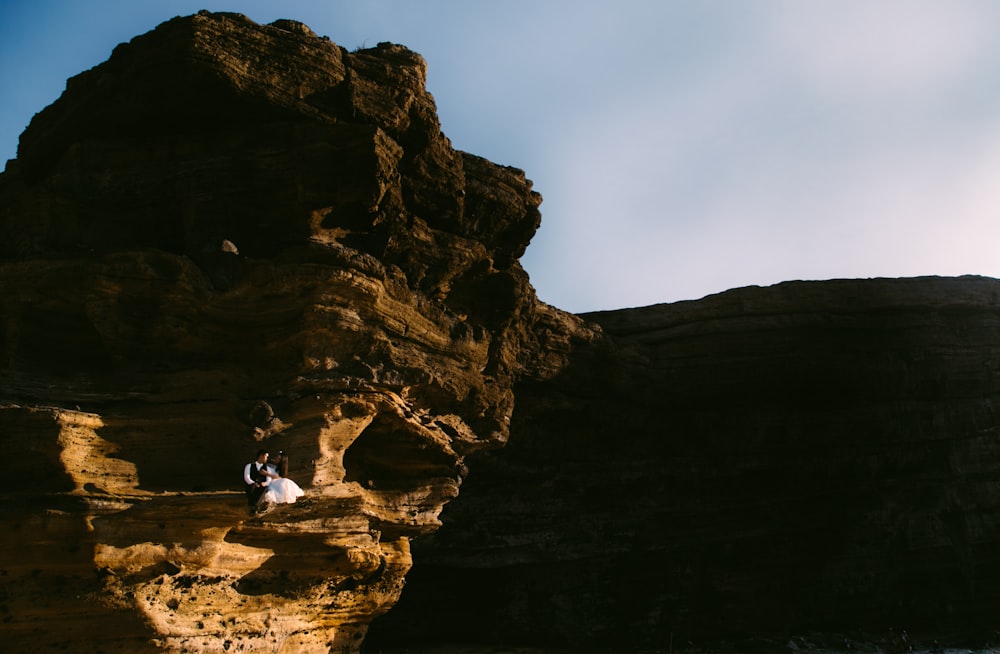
{"points": [[234, 235], [229, 236]]}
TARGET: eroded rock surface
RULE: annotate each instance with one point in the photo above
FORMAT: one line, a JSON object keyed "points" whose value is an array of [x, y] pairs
{"points": [[232, 236], [763, 463]]}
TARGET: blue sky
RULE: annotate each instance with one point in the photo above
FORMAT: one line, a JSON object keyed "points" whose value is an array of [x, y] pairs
{"points": [[682, 147]]}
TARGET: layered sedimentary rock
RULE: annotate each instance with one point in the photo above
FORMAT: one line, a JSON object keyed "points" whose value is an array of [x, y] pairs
{"points": [[232, 236], [757, 464]]}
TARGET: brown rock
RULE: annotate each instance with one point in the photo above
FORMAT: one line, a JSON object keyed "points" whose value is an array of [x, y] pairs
{"points": [[232, 236], [763, 462]]}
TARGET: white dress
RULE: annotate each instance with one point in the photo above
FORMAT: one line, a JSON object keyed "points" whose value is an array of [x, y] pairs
{"points": [[280, 491]]}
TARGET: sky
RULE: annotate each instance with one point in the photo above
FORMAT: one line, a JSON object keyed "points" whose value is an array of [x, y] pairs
{"points": [[682, 147]]}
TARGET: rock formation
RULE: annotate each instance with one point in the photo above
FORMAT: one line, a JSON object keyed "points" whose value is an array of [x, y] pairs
{"points": [[232, 236], [762, 463]]}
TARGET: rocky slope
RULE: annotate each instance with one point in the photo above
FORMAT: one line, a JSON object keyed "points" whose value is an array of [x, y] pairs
{"points": [[232, 236]]}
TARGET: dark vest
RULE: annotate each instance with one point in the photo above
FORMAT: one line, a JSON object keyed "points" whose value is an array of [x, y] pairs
{"points": [[257, 475]]}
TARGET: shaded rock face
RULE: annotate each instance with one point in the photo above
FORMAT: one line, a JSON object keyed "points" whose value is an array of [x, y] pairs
{"points": [[232, 236], [809, 456]]}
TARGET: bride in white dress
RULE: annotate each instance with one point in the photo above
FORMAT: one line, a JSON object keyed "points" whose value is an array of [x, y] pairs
{"points": [[281, 489]]}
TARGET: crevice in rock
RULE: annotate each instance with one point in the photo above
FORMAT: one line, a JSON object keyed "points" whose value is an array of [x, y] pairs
{"points": [[388, 455]]}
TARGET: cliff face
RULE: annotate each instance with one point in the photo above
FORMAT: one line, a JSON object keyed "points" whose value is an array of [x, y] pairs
{"points": [[763, 462], [232, 236]]}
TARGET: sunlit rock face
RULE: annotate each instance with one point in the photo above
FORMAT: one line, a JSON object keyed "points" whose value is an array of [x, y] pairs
{"points": [[232, 236]]}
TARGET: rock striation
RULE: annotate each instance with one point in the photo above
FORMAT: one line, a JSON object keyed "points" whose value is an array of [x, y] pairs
{"points": [[232, 236], [762, 463]]}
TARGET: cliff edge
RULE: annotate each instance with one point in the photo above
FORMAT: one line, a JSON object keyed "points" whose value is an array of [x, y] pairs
{"points": [[756, 467], [233, 236]]}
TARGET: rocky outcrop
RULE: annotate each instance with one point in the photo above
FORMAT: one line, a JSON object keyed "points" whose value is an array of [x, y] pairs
{"points": [[232, 236]]}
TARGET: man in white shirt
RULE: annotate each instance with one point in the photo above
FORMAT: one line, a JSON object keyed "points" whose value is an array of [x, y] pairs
{"points": [[255, 479]]}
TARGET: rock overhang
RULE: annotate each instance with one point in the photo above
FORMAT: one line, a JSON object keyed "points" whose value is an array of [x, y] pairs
{"points": [[231, 236]]}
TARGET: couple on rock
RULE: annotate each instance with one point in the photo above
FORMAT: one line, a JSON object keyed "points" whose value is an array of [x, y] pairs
{"points": [[267, 482]]}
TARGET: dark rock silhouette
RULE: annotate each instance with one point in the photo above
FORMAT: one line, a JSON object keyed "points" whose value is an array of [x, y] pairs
{"points": [[232, 236], [763, 462]]}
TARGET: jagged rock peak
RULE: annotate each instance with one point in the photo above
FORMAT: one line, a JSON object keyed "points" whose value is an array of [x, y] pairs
{"points": [[232, 236], [177, 74], [341, 142]]}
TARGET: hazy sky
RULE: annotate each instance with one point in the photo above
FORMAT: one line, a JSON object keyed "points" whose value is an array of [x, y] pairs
{"points": [[682, 147]]}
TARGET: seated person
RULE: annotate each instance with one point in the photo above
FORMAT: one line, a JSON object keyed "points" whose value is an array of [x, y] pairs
{"points": [[280, 489]]}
